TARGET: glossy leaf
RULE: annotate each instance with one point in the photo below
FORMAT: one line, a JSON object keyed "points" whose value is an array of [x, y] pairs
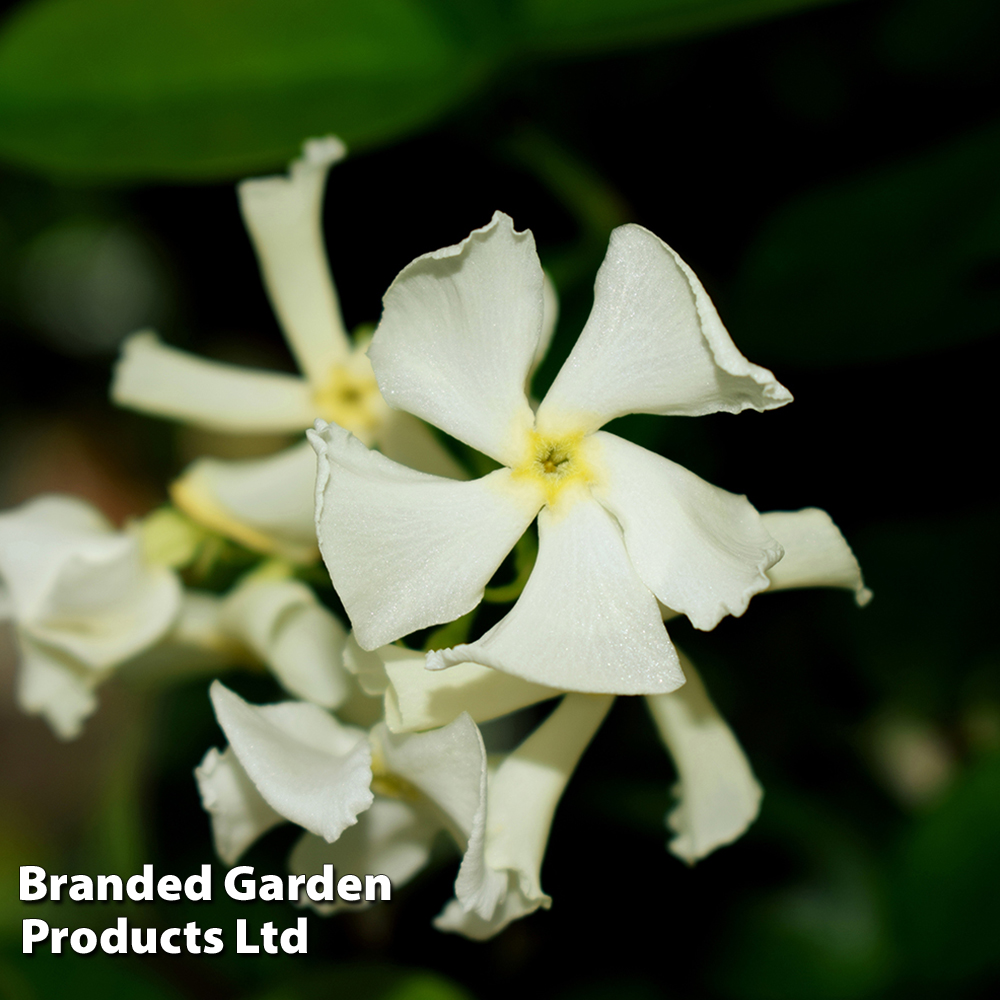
{"points": [[142, 89]]}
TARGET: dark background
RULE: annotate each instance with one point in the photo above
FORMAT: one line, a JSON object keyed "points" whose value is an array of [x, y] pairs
{"points": [[832, 177]]}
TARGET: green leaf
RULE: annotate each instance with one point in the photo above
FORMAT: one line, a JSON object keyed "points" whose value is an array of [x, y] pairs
{"points": [[145, 89], [896, 262], [823, 936], [948, 883], [560, 26]]}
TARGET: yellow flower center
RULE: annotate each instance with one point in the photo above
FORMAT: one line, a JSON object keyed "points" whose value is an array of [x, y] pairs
{"points": [[556, 463], [349, 399]]}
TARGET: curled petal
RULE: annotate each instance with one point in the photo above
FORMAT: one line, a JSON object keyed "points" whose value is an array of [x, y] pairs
{"points": [[523, 795], [653, 344], [458, 336], [266, 504], [238, 812], [393, 838], [718, 796], [103, 609], [79, 586], [550, 317], [417, 698], [284, 218], [165, 382], [308, 767], [51, 684], [447, 766], [35, 540], [298, 638], [585, 621], [703, 551], [404, 549], [816, 553]]}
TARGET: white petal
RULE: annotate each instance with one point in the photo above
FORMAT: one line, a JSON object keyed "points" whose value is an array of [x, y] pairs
{"points": [[104, 610], [406, 550], [157, 379], [718, 796], [35, 540], [816, 553], [50, 684], [306, 765], [78, 585], [238, 811], [295, 635], [284, 216], [523, 795], [701, 550], [407, 440], [653, 344], [550, 317], [417, 698], [458, 335], [514, 904], [366, 667], [392, 839], [448, 766], [585, 621], [266, 504]]}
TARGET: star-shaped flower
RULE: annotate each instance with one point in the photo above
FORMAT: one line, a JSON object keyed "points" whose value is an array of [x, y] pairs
{"points": [[619, 527], [716, 795], [267, 504]]}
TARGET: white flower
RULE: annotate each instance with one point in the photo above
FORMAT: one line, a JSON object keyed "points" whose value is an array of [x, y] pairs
{"points": [[267, 504], [283, 623], [83, 598], [524, 791], [619, 527], [370, 802], [717, 795]]}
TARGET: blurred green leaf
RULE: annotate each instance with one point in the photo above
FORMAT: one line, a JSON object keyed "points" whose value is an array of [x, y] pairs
{"points": [[896, 262], [139, 89], [597, 25], [948, 883], [824, 936]]}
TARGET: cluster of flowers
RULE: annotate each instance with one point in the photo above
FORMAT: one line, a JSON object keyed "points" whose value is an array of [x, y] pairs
{"points": [[382, 748]]}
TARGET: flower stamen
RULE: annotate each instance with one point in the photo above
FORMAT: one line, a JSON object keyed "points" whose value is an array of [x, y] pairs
{"points": [[555, 463]]}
